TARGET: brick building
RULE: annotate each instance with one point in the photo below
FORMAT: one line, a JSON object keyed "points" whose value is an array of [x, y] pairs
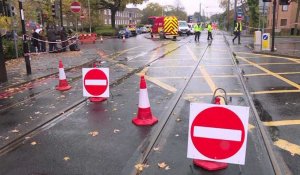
{"points": [[285, 17], [128, 16]]}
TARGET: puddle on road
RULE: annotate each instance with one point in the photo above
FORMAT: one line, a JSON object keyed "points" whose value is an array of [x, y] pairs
{"points": [[266, 117]]}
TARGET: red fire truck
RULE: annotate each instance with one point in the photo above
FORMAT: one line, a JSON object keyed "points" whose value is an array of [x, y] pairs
{"points": [[164, 26]]}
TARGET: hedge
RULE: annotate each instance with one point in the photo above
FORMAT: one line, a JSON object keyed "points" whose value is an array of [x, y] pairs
{"points": [[106, 31], [9, 49]]}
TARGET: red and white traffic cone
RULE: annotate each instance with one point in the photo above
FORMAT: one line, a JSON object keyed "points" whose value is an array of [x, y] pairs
{"points": [[211, 165], [144, 116], [97, 99], [63, 83]]}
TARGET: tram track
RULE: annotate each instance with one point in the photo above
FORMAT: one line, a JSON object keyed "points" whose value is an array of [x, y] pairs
{"points": [[62, 114]]}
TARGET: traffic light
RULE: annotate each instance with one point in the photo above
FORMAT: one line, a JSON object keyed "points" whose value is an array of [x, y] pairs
{"points": [[39, 18], [53, 10], [190, 19], [11, 11], [284, 2]]}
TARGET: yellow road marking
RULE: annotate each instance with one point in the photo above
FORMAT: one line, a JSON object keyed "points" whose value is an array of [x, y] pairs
{"points": [[250, 127], [290, 147], [207, 78], [272, 73], [273, 56], [275, 92], [210, 94], [161, 84], [213, 76], [282, 123], [280, 73]]}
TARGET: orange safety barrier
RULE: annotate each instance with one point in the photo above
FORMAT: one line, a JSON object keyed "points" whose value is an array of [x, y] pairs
{"points": [[88, 38]]}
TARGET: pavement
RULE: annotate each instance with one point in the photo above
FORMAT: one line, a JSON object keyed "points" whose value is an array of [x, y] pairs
{"points": [[284, 46]]}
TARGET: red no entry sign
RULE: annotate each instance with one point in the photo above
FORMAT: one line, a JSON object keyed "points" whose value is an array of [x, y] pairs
{"points": [[75, 7], [95, 82], [218, 133]]}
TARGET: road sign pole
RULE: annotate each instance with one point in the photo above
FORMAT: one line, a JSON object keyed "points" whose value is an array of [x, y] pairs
{"points": [[25, 45], [3, 73], [273, 26], [61, 14]]}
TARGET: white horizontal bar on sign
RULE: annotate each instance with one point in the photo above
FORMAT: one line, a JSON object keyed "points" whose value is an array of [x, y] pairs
{"points": [[75, 7], [217, 133], [95, 82]]}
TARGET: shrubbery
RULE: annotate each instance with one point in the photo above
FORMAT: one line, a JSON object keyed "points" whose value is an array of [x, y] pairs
{"points": [[105, 31], [9, 48]]}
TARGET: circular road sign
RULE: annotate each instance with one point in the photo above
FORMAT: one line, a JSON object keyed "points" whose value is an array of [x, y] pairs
{"points": [[265, 37], [95, 82], [217, 133], [75, 7]]}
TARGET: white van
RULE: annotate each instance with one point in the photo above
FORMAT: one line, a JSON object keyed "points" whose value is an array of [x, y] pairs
{"points": [[183, 28]]}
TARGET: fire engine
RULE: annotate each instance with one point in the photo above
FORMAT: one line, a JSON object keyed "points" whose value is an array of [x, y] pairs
{"points": [[164, 26]]}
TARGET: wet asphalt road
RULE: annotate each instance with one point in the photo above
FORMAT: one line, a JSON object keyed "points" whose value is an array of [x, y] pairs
{"points": [[68, 146]]}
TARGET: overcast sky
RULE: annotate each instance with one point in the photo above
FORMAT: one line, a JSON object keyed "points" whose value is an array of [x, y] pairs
{"points": [[210, 6]]}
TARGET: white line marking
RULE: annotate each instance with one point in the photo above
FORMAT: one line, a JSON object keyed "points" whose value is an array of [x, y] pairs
{"points": [[217, 133], [95, 82]]}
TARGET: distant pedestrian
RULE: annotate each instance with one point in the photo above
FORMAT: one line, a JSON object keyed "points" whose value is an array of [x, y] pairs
{"points": [[237, 31], [42, 41], [35, 40], [51, 34], [64, 39], [209, 30], [197, 30]]}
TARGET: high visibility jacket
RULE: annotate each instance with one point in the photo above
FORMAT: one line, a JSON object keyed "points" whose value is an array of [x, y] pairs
{"points": [[197, 28], [209, 28], [238, 27]]}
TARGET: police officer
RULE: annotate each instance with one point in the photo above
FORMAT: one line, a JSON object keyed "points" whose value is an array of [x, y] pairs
{"points": [[209, 29], [197, 29], [237, 31]]}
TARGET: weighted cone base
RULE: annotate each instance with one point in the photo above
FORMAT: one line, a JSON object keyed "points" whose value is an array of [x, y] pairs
{"points": [[144, 122], [64, 88], [97, 99], [210, 165]]}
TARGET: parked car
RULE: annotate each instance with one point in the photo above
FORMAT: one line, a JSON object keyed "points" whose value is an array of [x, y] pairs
{"points": [[125, 32], [183, 28], [144, 30]]}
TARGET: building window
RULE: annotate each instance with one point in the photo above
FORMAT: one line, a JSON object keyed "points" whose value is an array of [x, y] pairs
{"points": [[130, 15], [109, 21], [283, 22], [104, 12], [105, 21], [109, 12], [285, 8]]}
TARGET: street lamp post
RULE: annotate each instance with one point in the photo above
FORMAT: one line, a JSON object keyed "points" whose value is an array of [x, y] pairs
{"points": [[273, 25], [25, 45]]}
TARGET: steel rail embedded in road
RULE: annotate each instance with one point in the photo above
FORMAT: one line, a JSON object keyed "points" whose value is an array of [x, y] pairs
{"points": [[279, 168], [61, 115]]}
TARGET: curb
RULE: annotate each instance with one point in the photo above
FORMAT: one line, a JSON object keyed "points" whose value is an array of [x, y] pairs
{"points": [[272, 54]]}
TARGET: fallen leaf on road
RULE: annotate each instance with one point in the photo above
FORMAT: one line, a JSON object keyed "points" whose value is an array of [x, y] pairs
{"points": [[26, 138], [115, 109], [167, 168], [6, 138], [116, 131], [94, 133], [156, 149], [66, 158], [162, 165], [140, 167], [37, 112], [178, 120], [15, 131], [62, 96], [33, 143], [177, 135]]}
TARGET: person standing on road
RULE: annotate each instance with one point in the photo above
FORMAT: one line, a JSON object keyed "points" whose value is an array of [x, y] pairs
{"points": [[51, 34], [64, 39], [237, 31], [197, 29], [209, 29]]}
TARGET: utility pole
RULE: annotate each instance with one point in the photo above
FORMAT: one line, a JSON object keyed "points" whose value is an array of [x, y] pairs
{"points": [[61, 14], [273, 25], [25, 45], [3, 73], [228, 15], [235, 16]]}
